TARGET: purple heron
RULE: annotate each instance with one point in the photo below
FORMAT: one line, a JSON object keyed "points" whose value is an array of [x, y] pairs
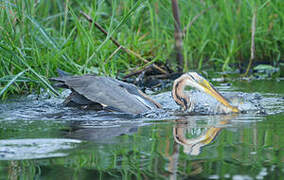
{"points": [[105, 93]]}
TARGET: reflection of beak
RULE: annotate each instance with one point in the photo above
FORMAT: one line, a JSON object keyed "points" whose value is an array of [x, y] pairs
{"points": [[209, 89]]}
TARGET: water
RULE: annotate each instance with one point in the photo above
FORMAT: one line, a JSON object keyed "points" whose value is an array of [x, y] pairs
{"points": [[42, 139]]}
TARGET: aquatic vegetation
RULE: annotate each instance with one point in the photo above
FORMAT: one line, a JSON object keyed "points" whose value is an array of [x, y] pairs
{"points": [[39, 36]]}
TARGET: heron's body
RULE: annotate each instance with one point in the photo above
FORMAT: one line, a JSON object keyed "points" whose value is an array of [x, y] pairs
{"points": [[110, 94], [105, 93]]}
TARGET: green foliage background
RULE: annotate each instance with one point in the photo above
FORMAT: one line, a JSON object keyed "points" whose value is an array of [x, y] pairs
{"points": [[39, 36]]}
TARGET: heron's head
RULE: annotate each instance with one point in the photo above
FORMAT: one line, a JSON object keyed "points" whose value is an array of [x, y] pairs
{"points": [[195, 80]]}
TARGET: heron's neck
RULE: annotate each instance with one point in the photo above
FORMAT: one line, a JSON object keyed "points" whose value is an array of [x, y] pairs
{"points": [[179, 95]]}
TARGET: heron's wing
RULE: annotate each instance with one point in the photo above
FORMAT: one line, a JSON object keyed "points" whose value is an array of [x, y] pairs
{"points": [[106, 91], [132, 89]]}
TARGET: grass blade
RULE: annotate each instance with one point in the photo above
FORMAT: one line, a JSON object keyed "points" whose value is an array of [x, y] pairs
{"points": [[51, 40], [20, 59], [136, 5], [12, 81]]}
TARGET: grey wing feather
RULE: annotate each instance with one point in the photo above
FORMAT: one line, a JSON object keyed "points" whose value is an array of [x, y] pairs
{"points": [[107, 91]]}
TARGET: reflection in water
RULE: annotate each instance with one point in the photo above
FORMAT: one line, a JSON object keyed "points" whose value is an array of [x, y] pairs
{"points": [[151, 151], [193, 145], [184, 128], [14, 170], [100, 134], [19, 149]]}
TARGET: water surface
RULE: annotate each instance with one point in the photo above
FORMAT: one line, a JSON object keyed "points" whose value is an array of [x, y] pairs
{"points": [[42, 139]]}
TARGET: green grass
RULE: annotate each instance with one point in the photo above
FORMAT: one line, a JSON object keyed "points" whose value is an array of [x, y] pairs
{"points": [[39, 36]]}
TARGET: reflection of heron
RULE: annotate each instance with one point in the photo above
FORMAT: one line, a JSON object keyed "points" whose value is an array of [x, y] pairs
{"points": [[91, 91], [192, 146]]}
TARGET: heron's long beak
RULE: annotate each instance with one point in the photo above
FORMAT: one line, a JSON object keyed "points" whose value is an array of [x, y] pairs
{"points": [[209, 89]]}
